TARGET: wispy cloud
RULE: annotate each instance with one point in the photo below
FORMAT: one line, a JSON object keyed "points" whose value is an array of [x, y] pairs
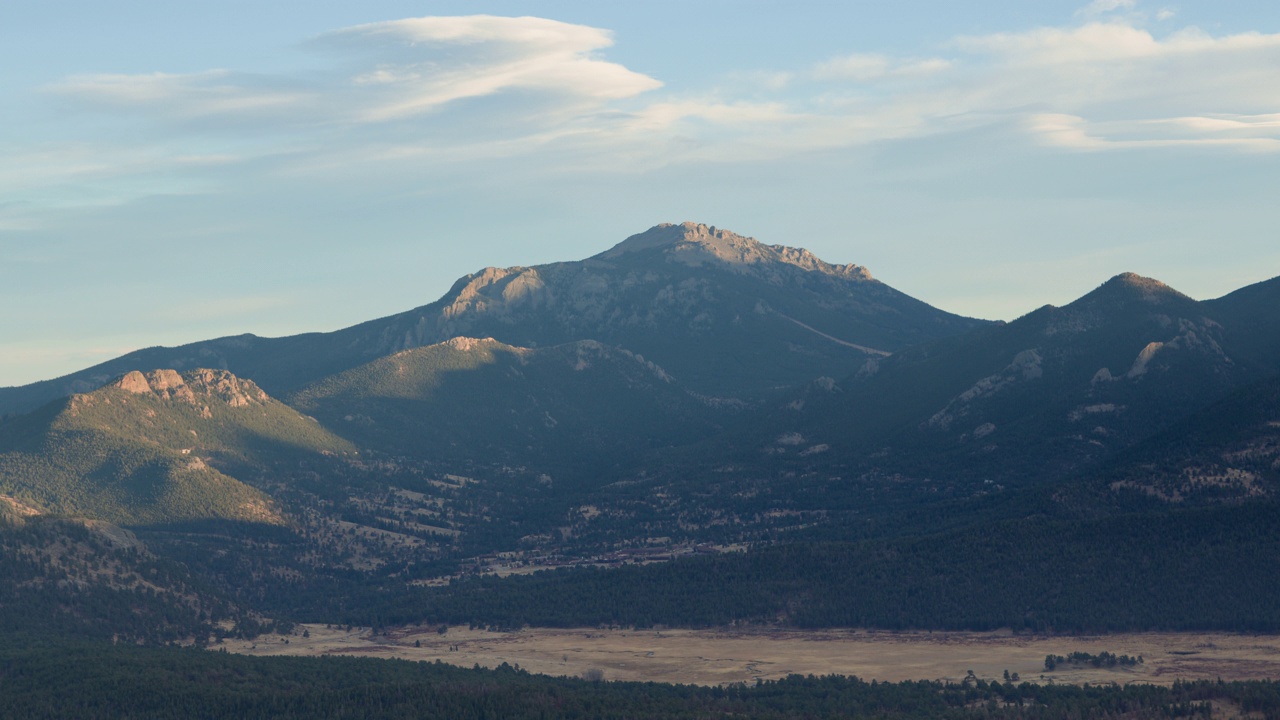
{"points": [[1114, 86], [1107, 42], [214, 92], [1258, 132], [871, 66], [386, 71], [459, 89], [1102, 7]]}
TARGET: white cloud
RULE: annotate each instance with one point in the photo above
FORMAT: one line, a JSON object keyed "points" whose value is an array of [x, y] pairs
{"points": [[1109, 86], [458, 89], [854, 67], [1102, 7], [1099, 42], [189, 96], [865, 67], [533, 34], [387, 71], [1256, 133], [432, 61]]}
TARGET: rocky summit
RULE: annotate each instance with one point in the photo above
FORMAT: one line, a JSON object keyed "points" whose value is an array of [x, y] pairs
{"points": [[695, 244]]}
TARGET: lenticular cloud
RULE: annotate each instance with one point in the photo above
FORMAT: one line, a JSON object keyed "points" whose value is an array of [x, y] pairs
{"points": [[387, 71], [422, 63]]}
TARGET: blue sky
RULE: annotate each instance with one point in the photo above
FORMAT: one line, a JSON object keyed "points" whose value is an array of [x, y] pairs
{"points": [[171, 172]]}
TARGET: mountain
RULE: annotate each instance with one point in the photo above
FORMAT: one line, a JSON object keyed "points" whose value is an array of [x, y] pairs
{"points": [[156, 447], [687, 392], [92, 580], [724, 314], [923, 437], [1051, 392], [1228, 452], [582, 407], [1251, 323]]}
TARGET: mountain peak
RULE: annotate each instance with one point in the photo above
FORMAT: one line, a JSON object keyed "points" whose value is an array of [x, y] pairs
{"points": [[1134, 280], [661, 235], [696, 244], [1133, 286], [1125, 295]]}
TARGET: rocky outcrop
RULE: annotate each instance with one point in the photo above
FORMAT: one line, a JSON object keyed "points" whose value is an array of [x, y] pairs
{"points": [[695, 244], [195, 386]]}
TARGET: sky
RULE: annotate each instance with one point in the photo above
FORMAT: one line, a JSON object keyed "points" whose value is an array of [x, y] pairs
{"points": [[172, 172]]}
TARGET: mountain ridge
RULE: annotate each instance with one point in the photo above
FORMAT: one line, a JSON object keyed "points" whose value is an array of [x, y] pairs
{"points": [[693, 243], [1078, 381], [583, 405], [764, 316]]}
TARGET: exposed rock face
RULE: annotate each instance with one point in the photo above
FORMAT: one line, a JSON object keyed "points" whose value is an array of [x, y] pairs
{"points": [[134, 382], [467, 344], [1026, 365], [192, 387], [695, 244]]}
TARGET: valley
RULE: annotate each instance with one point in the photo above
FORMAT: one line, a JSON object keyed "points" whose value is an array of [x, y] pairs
{"points": [[720, 657]]}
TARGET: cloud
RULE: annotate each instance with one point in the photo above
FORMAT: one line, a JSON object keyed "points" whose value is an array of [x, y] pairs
{"points": [[214, 92], [1255, 133], [451, 91], [1102, 7], [528, 34], [1099, 42], [864, 67], [1114, 86], [427, 62], [409, 82], [1100, 85], [385, 71]]}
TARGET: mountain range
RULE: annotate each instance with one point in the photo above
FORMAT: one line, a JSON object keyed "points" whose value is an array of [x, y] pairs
{"points": [[1059, 389], [722, 313], [687, 388]]}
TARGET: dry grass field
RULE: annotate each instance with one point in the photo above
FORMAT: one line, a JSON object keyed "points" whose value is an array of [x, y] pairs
{"points": [[711, 657]]}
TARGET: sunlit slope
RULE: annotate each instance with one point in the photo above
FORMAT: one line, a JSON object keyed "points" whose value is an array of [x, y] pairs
{"points": [[155, 448]]}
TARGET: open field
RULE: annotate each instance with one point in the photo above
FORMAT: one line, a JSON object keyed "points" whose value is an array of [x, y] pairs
{"points": [[711, 657]]}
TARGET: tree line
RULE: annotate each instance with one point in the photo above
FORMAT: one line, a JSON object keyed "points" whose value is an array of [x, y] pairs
{"points": [[85, 680]]}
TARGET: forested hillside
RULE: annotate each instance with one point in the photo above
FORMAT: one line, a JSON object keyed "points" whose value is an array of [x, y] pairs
{"points": [[1204, 569]]}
